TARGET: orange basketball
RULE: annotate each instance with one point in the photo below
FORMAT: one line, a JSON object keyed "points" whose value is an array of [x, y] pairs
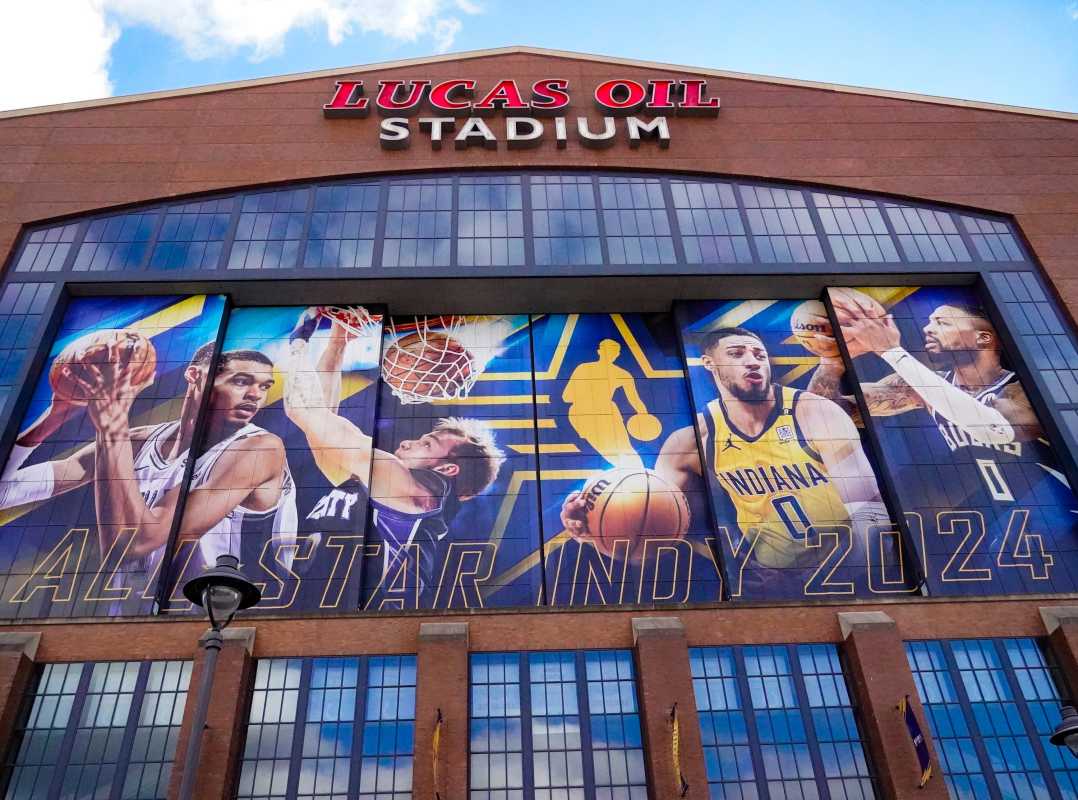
{"points": [[427, 366], [635, 505], [138, 363], [811, 327]]}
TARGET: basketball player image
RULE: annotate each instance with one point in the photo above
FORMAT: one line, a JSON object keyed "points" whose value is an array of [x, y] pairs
{"points": [[975, 400], [594, 415], [415, 490], [787, 459], [137, 471]]}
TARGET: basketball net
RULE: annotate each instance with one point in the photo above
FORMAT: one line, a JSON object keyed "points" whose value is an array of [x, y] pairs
{"points": [[425, 361], [354, 319]]}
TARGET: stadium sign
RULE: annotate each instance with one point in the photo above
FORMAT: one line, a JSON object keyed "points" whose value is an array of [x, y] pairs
{"points": [[459, 100]]}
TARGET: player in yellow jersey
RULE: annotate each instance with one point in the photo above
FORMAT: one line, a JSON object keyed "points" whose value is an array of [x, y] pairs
{"points": [[787, 460]]}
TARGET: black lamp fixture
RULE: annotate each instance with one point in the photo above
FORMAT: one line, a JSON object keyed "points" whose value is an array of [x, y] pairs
{"points": [[1066, 732], [222, 590]]}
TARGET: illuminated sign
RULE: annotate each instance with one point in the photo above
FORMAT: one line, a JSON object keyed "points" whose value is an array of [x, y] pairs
{"points": [[459, 111]]}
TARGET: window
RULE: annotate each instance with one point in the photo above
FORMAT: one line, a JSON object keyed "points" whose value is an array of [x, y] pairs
{"points": [[419, 222], [778, 721], [98, 730], [192, 235], [711, 229], [21, 307], [564, 220], [855, 229], [46, 250], [991, 704], [926, 235], [555, 726], [270, 229], [634, 215], [490, 221], [992, 239], [331, 728], [343, 226], [781, 226], [116, 243]]}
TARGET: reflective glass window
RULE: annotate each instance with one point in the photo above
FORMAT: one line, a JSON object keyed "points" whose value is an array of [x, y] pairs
{"points": [[419, 222], [617, 747], [496, 742], [98, 730], [710, 223], [991, 704], [565, 222], [925, 234], [855, 229], [192, 235], [270, 230], [778, 721], [343, 226], [781, 226], [634, 216], [331, 728], [45, 250], [992, 239], [490, 221], [21, 307], [116, 243]]}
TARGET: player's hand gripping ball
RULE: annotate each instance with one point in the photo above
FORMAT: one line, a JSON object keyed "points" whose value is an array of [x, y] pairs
{"points": [[628, 505], [852, 307], [644, 427], [811, 327], [113, 356]]}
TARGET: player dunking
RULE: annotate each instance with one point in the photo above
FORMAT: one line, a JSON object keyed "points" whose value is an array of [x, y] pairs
{"points": [[415, 490], [240, 481], [787, 459]]}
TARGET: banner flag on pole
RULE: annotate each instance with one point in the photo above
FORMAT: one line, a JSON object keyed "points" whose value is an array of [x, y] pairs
{"points": [[436, 744], [680, 784], [919, 743]]}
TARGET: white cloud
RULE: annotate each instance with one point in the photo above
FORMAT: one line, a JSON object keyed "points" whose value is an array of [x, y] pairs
{"points": [[1072, 11], [53, 51]]}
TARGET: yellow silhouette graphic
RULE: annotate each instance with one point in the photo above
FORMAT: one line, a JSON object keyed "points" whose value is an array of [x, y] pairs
{"points": [[595, 416]]}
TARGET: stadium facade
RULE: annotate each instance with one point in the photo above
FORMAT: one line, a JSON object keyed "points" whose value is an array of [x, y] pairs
{"points": [[592, 428]]}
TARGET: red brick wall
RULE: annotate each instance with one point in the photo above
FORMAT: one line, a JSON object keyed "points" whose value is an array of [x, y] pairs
{"points": [[80, 160]]}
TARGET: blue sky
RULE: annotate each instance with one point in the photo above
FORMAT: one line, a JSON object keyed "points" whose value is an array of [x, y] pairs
{"points": [[1021, 52]]}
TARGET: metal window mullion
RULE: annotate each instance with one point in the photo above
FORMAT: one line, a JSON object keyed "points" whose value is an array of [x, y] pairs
{"points": [[749, 236], [600, 223], [967, 240], [454, 211], [123, 761], [302, 701], [301, 250], [818, 767], [151, 243], [817, 223], [545, 598], [672, 220], [380, 223], [356, 766], [1027, 720], [527, 749], [76, 243], [77, 705], [529, 227], [741, 678], [229, 241], [587, 756], [971, 721], [892, 232]]}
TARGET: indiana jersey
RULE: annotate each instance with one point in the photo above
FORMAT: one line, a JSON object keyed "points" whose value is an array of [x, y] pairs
{"points": [[244, 532], [777, 484]]}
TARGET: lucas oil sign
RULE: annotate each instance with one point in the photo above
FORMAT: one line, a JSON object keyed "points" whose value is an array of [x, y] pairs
{"points": [[459, 111]]}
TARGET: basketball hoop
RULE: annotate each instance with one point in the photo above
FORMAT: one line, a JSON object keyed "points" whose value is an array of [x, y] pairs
{"points": [[427, 362], [354, 319]]}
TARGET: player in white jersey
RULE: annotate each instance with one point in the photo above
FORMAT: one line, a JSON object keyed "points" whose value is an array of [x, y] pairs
{"points": [[137, 471]]}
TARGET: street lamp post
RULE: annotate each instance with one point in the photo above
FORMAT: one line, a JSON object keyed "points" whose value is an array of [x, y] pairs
{"points": [[1066, 732], [222, 591]]}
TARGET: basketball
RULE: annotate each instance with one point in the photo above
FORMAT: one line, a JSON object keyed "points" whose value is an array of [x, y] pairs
{"points": [[811, 327], [425, 366], [851, 304], [644, 427], [633, 504], [69, 375]]}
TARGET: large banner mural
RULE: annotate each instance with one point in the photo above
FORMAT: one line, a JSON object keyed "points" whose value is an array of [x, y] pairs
{"points": [[454, 511], [625, 515], [283, 469], [798, 510], [986, 505], [90, 490]]}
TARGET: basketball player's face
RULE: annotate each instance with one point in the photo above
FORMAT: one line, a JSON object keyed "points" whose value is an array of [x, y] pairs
{"points": [[240, 390], [951, 330], [741, 366], [429, 451]]}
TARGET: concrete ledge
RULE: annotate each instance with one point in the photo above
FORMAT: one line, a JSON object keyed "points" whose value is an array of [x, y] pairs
{"points": [[443, 631], [21, 642], [1054, 616], [849, 621], [657, 626], [245, 636]]}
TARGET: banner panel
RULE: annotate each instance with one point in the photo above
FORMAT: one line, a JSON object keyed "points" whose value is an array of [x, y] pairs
{"points": [[91, 487], [987, 507], [625, 513], [454, 513], [797, 505], [283, 469]]}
